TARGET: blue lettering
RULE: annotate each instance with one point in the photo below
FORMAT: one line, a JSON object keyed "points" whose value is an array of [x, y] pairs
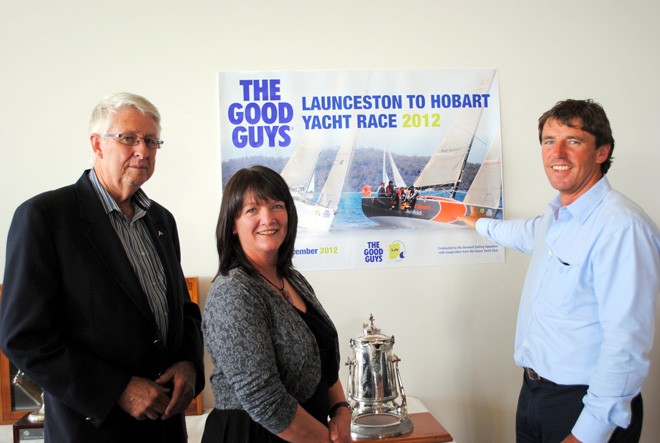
{"points": [[270, 114], [285, 136], [238, 137], [260, 89], [459, 101], [342, 102], [376, 120], [254, 113], [256, 136], [234, 113], [326, 121], [285, 112]]}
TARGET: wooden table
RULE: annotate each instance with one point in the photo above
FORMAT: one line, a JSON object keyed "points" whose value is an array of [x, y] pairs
{"points": [[426, 429]]}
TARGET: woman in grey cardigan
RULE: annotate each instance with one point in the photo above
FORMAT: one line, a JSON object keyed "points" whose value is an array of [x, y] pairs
{"points": [[275, 350]]}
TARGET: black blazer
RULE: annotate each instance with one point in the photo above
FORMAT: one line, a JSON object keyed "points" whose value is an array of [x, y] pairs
{"points": [[75, 318]]}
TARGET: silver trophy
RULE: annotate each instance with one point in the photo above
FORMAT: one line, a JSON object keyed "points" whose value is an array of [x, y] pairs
{"points": [[34, 392], [374, 389]]}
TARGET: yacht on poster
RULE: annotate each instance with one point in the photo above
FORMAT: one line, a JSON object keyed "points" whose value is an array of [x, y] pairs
{"points": [[317, 213], [437, 204]]}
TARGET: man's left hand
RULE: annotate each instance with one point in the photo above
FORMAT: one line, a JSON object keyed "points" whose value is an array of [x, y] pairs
{"points": [[182, 375]]}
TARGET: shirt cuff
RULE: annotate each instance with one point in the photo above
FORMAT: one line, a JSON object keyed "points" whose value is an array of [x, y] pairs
{"points": [[589, 429], [482, 226]]}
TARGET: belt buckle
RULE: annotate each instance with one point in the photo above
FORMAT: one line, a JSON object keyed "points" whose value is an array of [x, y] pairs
{"points": [[531, 373]]}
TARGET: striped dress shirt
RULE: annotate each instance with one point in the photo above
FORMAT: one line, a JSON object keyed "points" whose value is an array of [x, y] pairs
{"points": [[139, 248]]}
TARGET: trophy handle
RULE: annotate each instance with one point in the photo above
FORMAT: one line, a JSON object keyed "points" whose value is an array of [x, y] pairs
{"points": [[404, 402], [351, 376]]}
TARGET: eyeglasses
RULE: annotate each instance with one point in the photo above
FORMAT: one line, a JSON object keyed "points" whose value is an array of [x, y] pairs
{"points": [[132, 140]]}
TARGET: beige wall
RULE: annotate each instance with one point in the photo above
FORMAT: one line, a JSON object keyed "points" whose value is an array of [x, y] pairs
{"points": [[454, 329]]}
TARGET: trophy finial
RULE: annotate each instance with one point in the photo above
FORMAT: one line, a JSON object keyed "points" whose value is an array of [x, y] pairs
{"points": [[369, 327]]}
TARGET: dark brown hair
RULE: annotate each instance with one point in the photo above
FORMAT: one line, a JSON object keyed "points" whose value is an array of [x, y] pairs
{"points": [[265, 184], [586, 115]]}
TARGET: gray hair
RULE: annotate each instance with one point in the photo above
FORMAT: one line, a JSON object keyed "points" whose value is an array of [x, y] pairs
{"points": [[104, 112]]}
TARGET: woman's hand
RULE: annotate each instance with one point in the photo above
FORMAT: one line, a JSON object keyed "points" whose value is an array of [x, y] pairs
{"points": [[340, 426]]}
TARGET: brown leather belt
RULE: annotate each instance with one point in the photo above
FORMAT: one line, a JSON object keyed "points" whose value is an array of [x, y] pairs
{"points": [[531, 373]]}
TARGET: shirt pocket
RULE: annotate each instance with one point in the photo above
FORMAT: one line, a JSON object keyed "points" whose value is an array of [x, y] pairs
{"points": [[562, 284]]}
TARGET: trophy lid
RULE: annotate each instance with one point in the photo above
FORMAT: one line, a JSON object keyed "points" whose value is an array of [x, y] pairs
{"points": [[372, 335]]}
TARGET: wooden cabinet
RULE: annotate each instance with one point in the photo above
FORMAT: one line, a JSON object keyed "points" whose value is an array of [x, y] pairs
{"points": [[15, 404]]}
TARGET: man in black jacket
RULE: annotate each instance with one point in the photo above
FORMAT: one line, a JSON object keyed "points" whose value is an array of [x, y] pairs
{"points": [[95, 307]]}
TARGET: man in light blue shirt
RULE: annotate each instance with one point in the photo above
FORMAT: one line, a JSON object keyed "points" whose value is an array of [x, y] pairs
{"points": [[586, 316]]}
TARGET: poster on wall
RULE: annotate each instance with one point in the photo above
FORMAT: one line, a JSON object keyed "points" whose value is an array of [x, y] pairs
{"points": [[380, 162]]}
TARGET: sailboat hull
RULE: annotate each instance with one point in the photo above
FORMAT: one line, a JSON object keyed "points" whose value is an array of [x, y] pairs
{"points": [[314, 217], [429, 211]]}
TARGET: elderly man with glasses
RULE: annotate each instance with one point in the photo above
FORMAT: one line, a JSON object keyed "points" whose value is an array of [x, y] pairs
{"points": [[95, 306]]}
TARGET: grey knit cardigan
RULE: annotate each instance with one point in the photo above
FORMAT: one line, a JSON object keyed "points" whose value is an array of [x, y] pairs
{"points": [[266, 360]]}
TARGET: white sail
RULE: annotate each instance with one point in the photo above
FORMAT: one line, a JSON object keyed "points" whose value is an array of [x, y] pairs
{"points": [[446, 164], [311, 187], [386, 178], [331, 192], [486, 189], [318, 215], [398, 180], [299, 170]]}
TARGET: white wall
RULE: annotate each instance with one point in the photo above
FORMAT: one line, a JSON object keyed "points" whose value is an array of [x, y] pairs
{"points": [[454, 325]]}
